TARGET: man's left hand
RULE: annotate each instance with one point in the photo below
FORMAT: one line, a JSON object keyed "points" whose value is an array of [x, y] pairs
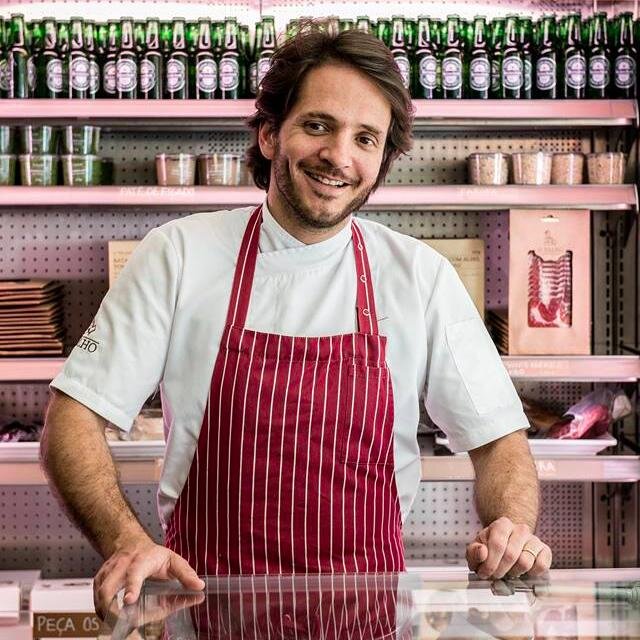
{"points": [[505, 548]]}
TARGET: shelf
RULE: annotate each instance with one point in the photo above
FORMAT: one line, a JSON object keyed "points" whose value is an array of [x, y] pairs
{"points": [[574, 368], [232, 114], [140, 462], [400, 198], [556, 468], [557, 368]]}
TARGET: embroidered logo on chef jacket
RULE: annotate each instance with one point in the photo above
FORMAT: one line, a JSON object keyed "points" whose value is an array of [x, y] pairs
{"points": [[86, 343]]}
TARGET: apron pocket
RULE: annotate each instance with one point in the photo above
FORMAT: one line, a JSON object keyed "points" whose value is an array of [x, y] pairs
{"points": [[366, 422]]}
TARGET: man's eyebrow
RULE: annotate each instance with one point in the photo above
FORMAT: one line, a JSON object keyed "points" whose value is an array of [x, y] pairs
{"points": [[329, 118]]}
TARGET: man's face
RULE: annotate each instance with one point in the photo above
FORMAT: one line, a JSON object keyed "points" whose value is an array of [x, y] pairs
{"points": [[327, 155]]}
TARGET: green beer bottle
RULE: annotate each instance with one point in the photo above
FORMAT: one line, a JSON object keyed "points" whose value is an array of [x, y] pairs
{"points": [[91, 51], [267, 47], [191, 34], [598, 54], [102, 40], [292, 29], [253, 65], [151, 68], [624, 57], [479, 69], [364, 24], [20, 67], [399, 50], [383, 31], [496, 45], [245, 57], [3, 61], [346, 25], [36, 30], [109, 66], [166, 37], [525, 38], [546, 60], [79, 69], [452, 60], [230, 74], [203, 69], [48, 64], [139, 36], [127, 63], [177, 65], [425, 80], [64, 48], [512, 72], [574, 62]]}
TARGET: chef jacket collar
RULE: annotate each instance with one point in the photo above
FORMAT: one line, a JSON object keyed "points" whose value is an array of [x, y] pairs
{"points": [[280, 251]]}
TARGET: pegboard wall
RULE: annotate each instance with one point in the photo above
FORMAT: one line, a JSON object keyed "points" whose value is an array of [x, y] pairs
{"points": [[35, 533], [70, 245]]}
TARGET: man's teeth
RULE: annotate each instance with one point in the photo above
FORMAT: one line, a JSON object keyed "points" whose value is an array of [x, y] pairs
{"points": [[333, 183]]}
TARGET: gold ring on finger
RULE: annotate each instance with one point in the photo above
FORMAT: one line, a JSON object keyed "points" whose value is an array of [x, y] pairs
{"points": [[531, 551]]}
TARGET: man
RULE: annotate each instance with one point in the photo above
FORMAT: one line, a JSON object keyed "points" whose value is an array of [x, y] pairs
{"points": [[293, 346]]}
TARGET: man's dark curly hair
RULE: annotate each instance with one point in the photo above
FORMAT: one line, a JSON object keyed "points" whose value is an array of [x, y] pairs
{"points": [[311, 48]]}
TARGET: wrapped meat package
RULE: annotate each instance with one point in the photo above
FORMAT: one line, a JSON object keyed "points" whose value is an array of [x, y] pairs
{"points": [[549, 283]]}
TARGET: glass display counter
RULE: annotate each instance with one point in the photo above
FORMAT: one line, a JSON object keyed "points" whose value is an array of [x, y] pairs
{"points": [[420, 604]]}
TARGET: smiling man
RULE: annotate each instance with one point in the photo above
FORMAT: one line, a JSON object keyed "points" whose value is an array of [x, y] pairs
{"points": [[293, 346]]}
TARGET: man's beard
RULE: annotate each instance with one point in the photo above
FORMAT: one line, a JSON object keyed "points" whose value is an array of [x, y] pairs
{"points": [[295, 205]]}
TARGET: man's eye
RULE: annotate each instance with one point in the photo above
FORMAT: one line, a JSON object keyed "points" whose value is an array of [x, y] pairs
{"points": [[316, 126], [366, 140]]}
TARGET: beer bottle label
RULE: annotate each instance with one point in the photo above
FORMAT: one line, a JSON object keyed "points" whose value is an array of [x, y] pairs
{"points": [[147, 76], [575, 72], [126, 75], [495, 75], [545, 74], [176, 75], [229, 74], [207, 75], [94, 77], [31, 74], [528, 79], [598, 72], [428, 72], [451, 74], [54, 75], [109, 77], [4, 75], [402, 62], [480, 74], [625, 72], [79, 73], [264, 64], [512, 73], [253, 78]]}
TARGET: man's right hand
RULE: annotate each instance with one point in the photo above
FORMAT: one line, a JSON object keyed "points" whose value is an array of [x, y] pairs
{"points": [[131, 564]]}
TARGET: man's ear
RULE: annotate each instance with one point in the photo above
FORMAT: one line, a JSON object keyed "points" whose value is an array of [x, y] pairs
{"points": [[267, 140]]}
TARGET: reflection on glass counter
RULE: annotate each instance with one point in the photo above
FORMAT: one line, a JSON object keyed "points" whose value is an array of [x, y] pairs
{"points": [[422, 605]]}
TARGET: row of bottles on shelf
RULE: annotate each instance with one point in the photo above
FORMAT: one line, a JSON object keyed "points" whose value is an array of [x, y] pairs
{"points": [[512, 57]]}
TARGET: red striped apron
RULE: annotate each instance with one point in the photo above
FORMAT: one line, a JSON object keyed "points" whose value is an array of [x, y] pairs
{"points": [[294, 468]]}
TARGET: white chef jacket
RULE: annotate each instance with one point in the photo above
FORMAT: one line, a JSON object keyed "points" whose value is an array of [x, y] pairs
{"points": [[162, 320]]}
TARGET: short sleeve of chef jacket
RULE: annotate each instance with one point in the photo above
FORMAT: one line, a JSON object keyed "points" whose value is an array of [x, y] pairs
{"points": [[468, 393], [119, 361]]}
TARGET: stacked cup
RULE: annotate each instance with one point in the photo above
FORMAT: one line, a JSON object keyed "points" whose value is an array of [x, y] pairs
{"points": [[38, 156], [81, 165], [7, 157]]}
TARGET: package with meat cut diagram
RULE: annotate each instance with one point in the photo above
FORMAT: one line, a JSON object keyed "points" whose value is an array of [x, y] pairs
{"points": [[549, 283]]}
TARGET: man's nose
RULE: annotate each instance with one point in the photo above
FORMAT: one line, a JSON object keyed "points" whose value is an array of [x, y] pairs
{"points": [[337, 151]]}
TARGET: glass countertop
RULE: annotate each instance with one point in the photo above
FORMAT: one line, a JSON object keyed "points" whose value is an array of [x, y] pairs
{"points": [[422, 604]]}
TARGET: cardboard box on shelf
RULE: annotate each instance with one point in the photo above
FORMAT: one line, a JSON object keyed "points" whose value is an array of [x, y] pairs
{"points": [[64, 609], [467, 257], [549, 283], [119, 253]]}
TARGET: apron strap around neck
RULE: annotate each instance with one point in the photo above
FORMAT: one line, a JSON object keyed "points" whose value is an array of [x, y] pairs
{"points": [[246, 266]]}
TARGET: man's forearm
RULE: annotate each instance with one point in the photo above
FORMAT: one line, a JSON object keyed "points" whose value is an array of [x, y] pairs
{"points": [[506, 481], [82, 474]]}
